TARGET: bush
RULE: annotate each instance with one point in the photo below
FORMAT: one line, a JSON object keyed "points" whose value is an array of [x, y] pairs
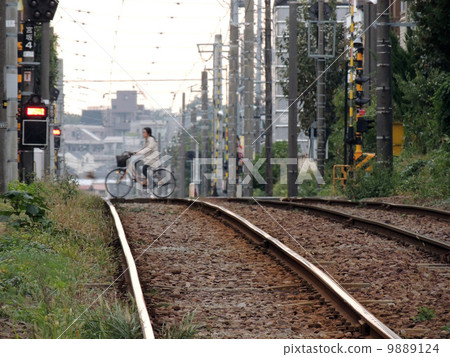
{"points": [[378, 183], [426, 176]]}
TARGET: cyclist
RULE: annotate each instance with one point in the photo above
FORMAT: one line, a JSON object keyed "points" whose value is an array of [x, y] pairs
{"points": [[149, 153]]}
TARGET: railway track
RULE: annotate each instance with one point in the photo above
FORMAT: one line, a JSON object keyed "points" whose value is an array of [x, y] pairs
{"points": [[436, 246], [210, 261], [392, 279], [425, 221]]}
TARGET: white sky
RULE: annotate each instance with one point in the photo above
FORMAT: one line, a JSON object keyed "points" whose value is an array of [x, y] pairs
{"points": [[148, 39]]}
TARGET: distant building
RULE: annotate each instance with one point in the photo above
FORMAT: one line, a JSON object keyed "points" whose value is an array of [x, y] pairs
{"points": [[103, 133], [280, 114]]}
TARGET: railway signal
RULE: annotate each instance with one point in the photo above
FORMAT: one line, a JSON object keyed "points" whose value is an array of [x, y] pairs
{"points": [[362, 124], [34, 124], [40, 10], [56, 137]]}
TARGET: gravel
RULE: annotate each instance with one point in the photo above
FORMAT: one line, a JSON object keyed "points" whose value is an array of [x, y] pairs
{"points": [[432, 227], [393, 280], [193, 263]]}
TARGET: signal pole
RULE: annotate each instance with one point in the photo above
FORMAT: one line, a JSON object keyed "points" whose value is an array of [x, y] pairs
{"points": [[268, 72], [293, 92], [384, 87], [321, 92], [249, 126], [45, 87], [204, 128], [9, 92], [233, 95]]}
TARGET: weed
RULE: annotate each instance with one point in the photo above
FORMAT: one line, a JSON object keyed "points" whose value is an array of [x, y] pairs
{"points": [[424, 314], [184, 330], [26, 208], [112, 321]]}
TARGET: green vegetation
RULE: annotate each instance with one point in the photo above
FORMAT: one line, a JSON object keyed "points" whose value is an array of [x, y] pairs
{"points": [[111, 321], [424, 314], [184, 330], [421, 101], [55, 243]]}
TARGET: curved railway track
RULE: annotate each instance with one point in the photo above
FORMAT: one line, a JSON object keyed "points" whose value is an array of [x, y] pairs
{"points": [[391, 278], [394, 207], [436, 246], [228, 274], [425, 221]]}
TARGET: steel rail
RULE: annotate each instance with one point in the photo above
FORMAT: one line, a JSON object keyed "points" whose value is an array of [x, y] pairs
{"points": [[432, 245], [136, 289], [342, 301], [429, 211]]}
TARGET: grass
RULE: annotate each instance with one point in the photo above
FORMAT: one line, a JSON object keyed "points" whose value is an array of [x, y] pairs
{"points": [[184, 330], [46, 267]]}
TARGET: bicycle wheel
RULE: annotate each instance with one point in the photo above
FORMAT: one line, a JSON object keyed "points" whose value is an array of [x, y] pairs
{"points": [[163, 183], [118, 183]]}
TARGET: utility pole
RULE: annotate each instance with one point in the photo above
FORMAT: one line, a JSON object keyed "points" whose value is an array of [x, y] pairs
{"points": [[3, 117], [204, 130], [321, 91], [293, 93], [233, 95], [370, 45], [249, 126], [45, 87], [28, 68], [9, 92], [258, 87], [218, 114], [182, 151], [268, 72], [384, 86]]}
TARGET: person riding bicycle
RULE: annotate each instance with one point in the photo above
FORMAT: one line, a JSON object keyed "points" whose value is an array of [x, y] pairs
{"points": [[149, 154]]}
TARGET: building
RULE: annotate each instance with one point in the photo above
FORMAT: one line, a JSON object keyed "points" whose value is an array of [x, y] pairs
{"points": [[90, 148], [280, 113]]}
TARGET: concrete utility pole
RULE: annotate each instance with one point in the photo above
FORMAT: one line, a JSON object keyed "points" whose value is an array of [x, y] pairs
{"points": [[249, 112], [204, 129], [370, 46], [45, 86], [9, 91], [293, 93], [218, 114], [320, 110], [182, 152], [3, 117], [27, 156], [258, 90], [232, 94], [268, 72], [384, 86]]}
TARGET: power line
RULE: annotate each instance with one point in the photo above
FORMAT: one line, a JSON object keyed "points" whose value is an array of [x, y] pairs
{"points": [[128, 80]]}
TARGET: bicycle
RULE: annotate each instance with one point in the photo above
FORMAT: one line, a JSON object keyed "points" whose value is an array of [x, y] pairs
{"points": [[119, 181]]}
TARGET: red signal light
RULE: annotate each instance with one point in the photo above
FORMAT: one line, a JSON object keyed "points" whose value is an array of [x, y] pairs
{"points": [[36, 112], [57, 132]]}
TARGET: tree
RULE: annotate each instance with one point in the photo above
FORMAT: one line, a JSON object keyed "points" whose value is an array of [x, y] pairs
{"points": [[433, 28]]}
